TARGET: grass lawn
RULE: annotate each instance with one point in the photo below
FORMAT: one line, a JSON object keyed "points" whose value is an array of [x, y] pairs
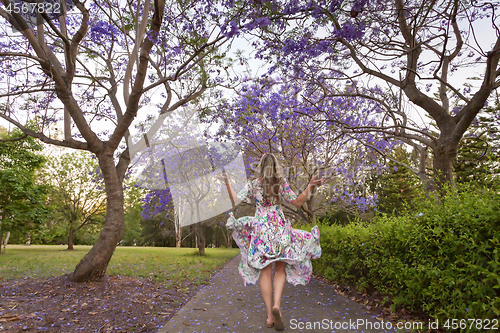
{"points": [[169, 265]]}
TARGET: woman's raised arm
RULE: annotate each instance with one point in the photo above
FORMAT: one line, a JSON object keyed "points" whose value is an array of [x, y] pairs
{"points": [[233, 195], [304, 195]]}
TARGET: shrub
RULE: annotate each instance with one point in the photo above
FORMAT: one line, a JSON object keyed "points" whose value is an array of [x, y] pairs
{"points": [[443, 258]]}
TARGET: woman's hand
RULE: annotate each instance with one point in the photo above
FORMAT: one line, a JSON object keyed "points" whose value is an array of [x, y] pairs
{"points": [[223, 177], [317, 182], [313, 183], [232, 195]]}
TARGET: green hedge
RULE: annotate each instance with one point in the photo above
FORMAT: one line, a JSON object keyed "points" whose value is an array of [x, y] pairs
{"points": [[442, 259]]}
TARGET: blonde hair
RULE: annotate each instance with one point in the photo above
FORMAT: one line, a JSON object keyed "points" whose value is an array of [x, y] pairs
{"points": [[271, 177]]}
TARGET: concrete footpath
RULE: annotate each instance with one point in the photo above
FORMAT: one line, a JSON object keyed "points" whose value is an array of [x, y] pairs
{"points": [[226, 305]]}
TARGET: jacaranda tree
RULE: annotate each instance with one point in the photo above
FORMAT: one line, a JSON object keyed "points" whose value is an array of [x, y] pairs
{"points": [[91, 70], [269, 116], [390, 52]]}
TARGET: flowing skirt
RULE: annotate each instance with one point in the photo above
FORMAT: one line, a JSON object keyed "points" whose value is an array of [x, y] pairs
{"points": [[267, 239]]}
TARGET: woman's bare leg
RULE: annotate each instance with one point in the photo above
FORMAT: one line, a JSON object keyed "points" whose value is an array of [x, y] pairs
{"points": [[279, 282], [266, 288]]}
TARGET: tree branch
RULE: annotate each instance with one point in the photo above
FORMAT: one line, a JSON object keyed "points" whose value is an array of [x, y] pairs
{"points": [[465, 117], [26, 92], [23, 55], [366, 69], [14, 139], [69, 144], [133, 101], [133, 56]]}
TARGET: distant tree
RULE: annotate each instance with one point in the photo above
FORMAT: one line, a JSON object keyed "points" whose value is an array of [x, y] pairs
{"points": [[132, 231], [175, 147], [478, 156], [269, 116], [50, 232], [22, 198], [77, 194], [397, 186], [158, 231], [158, 222]]}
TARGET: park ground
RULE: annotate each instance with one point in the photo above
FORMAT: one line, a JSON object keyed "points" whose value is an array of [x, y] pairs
{"points": [[144, 287], [143, 290]]}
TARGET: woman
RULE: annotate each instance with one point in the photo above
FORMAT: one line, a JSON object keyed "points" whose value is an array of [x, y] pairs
{"points": [[269, 237]]}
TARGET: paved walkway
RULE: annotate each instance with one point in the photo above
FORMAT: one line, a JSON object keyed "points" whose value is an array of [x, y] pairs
{"points": [[226, 305]]}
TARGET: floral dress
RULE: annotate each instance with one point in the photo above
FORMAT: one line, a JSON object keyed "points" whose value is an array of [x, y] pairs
{"points": [[268, 237]]}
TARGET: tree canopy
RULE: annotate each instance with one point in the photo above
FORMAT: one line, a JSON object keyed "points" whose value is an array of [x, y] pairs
{"points": [[77, 194], [390, 52]]}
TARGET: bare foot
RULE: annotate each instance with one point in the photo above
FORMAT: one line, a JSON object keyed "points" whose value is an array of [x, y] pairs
{"points": [[270, 321], [278, 324]]}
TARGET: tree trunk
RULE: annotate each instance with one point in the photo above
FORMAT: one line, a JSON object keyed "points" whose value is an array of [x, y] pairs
{"points": [[178, 233], [6, 241], [422, 171], [443, 156], [229, 238], [93, 266], [70, 238], [200, 237], [178, 238], [1, 230]]}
